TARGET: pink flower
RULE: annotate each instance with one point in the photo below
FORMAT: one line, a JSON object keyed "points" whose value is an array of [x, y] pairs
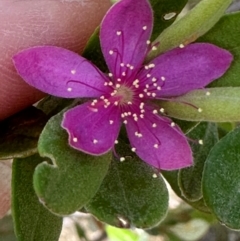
{"points": [[125, 94]]}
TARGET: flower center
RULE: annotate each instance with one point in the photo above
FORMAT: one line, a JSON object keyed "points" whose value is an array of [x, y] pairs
{"points": [[125, 94]]}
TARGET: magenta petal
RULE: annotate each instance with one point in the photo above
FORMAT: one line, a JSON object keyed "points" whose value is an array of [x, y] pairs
{"points": [[124, 33], [59, 72], [93, 132], [192, 67], [158, 143]]}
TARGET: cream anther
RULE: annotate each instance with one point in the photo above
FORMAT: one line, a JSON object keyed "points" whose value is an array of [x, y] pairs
{"points": [[181, 46], [73, 71], [111, 52], [75, 139], [110, 74], [116, 142], [111, 122], [125, 122], [154, 175], [118, 79], [141, 95], [208, 93], [118, 33], [154, 79], [162, 110], [133, 149], [154, 94], [200, 142], [200, 110], [95, 141], [122, 64], [122, 159], [154, 48], [154, 125], [148, 42], [155, 146], [148, 75], [123, 73], [155, 112], [69, 89], [144, 27], [118, 86], [151, 66], [173, 124], [163, 78]]}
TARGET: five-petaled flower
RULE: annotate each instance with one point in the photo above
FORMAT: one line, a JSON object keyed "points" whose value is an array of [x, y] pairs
{"points": [[125, 94]]}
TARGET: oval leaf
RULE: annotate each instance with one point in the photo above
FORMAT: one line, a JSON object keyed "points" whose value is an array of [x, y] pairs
{"points": [[221, 180], [172, 178], [73, 179], [129, 195], [213, 104], [193, 25], [190, 179], [32, 221]]}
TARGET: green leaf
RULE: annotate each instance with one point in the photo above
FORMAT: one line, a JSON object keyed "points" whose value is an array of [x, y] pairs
{"points": [[221, 180], [52, 105], [74, 177], [172, 179], [19, 133], [165, 13], [32, 221], [190, 179], [117, 234], [193, 25], [226, 34], [129, 195], [215, 105]]}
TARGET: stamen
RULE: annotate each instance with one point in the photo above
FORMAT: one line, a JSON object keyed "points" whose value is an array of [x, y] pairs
{"points": [[154, 125], [148, 42], [162, 110], [118, 33], [154, 48], [116, 142], [181, 46], [110, 74], [133, 149], [122, 159], [111, 52], [155, 146], [73, 71], [200, 110], [208, 93], [69, 89], [200, 142], [163, 78], [75, 139], [173, 124], [154, 175], [111, 122], [144, 27], [95, 141]]}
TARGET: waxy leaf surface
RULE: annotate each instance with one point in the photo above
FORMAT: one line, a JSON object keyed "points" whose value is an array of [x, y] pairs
{"points": [[74, 177], [31, 219], [129, 195]]}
